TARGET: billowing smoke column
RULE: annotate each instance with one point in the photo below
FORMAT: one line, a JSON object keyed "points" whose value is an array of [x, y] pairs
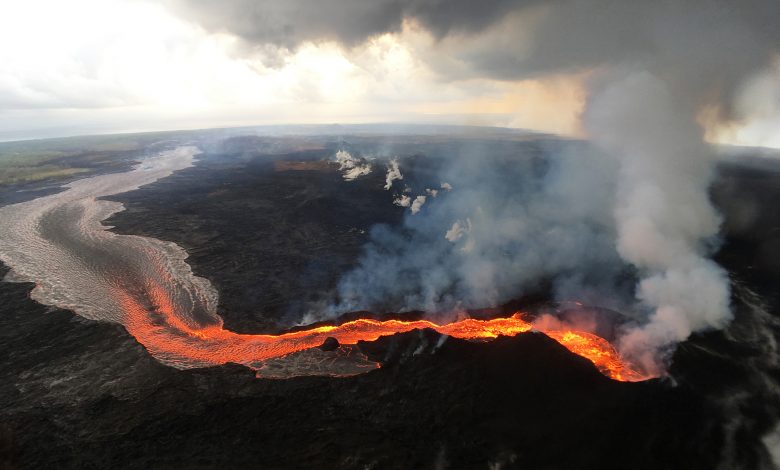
{"points": [[656, 68], [690, 59], [663, 214]]}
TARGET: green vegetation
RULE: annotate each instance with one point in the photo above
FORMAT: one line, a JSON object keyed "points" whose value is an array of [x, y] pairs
{"points": [[10, 175], [52, 159]]}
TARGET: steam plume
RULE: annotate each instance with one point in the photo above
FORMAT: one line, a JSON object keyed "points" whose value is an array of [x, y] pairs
{"points": [[352, 168], [656, 67], [403, 201], [663, 214], [658, 74], [418, 203], [393, 174]]}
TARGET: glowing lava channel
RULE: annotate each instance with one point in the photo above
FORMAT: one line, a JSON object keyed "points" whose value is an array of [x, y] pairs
{"points": [[59, 243], [176, 342]]}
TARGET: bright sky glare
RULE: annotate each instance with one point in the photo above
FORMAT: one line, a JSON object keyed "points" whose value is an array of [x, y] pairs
{"points": [[95, 66]]}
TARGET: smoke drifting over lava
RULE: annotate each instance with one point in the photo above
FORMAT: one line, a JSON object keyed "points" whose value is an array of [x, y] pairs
{"points": [[666, 223], [507, 224], [656, 69]]}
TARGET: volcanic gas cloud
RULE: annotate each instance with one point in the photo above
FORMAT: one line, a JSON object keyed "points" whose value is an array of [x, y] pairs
{"points": [[656, 78]]}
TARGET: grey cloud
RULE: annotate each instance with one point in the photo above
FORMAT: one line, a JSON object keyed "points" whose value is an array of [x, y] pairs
{"points": [[288, 23], [709, 46], [565, 33]]}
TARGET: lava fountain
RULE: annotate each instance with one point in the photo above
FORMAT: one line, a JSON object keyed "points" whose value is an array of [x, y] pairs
{"points": [[59, 243]]}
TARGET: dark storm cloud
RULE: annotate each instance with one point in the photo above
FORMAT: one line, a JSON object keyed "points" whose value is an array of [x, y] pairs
{"points": [[288, 23], [564, 33], [708, 47]]}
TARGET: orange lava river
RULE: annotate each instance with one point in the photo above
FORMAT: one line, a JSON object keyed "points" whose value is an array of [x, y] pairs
{"points": [[175, 341]]}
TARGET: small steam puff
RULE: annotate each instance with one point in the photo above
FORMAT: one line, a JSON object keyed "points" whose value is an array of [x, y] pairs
{"points": [[418, 203], [351, 167], [458, 230], [393, 173], [403, 201]]}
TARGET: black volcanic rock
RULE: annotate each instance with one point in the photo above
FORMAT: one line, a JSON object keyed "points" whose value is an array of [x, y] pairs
{"points": [[329, 344], [81, 394], [271, 239]]}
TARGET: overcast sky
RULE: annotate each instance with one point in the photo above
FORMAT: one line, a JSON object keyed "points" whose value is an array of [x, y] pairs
{"points": [[95, 66]]}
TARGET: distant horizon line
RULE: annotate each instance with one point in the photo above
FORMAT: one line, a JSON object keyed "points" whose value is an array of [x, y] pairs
{"points": [[515, 130], [345, 125]]}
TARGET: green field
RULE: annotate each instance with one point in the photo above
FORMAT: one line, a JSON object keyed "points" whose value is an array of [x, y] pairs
{"points": [[53, 159]]}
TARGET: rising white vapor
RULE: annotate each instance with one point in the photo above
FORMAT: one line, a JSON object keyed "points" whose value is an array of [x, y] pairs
{"points": [[458, 230], [665, 220], [393, 173], [351, 167], [418, 203], [403, 201]]}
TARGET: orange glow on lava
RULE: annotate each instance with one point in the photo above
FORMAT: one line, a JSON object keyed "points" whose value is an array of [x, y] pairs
{"points": [[176, 342]]}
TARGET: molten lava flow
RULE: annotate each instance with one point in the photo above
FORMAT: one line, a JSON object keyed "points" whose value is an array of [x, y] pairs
{"points": [[598, 351], [177, 342]]}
